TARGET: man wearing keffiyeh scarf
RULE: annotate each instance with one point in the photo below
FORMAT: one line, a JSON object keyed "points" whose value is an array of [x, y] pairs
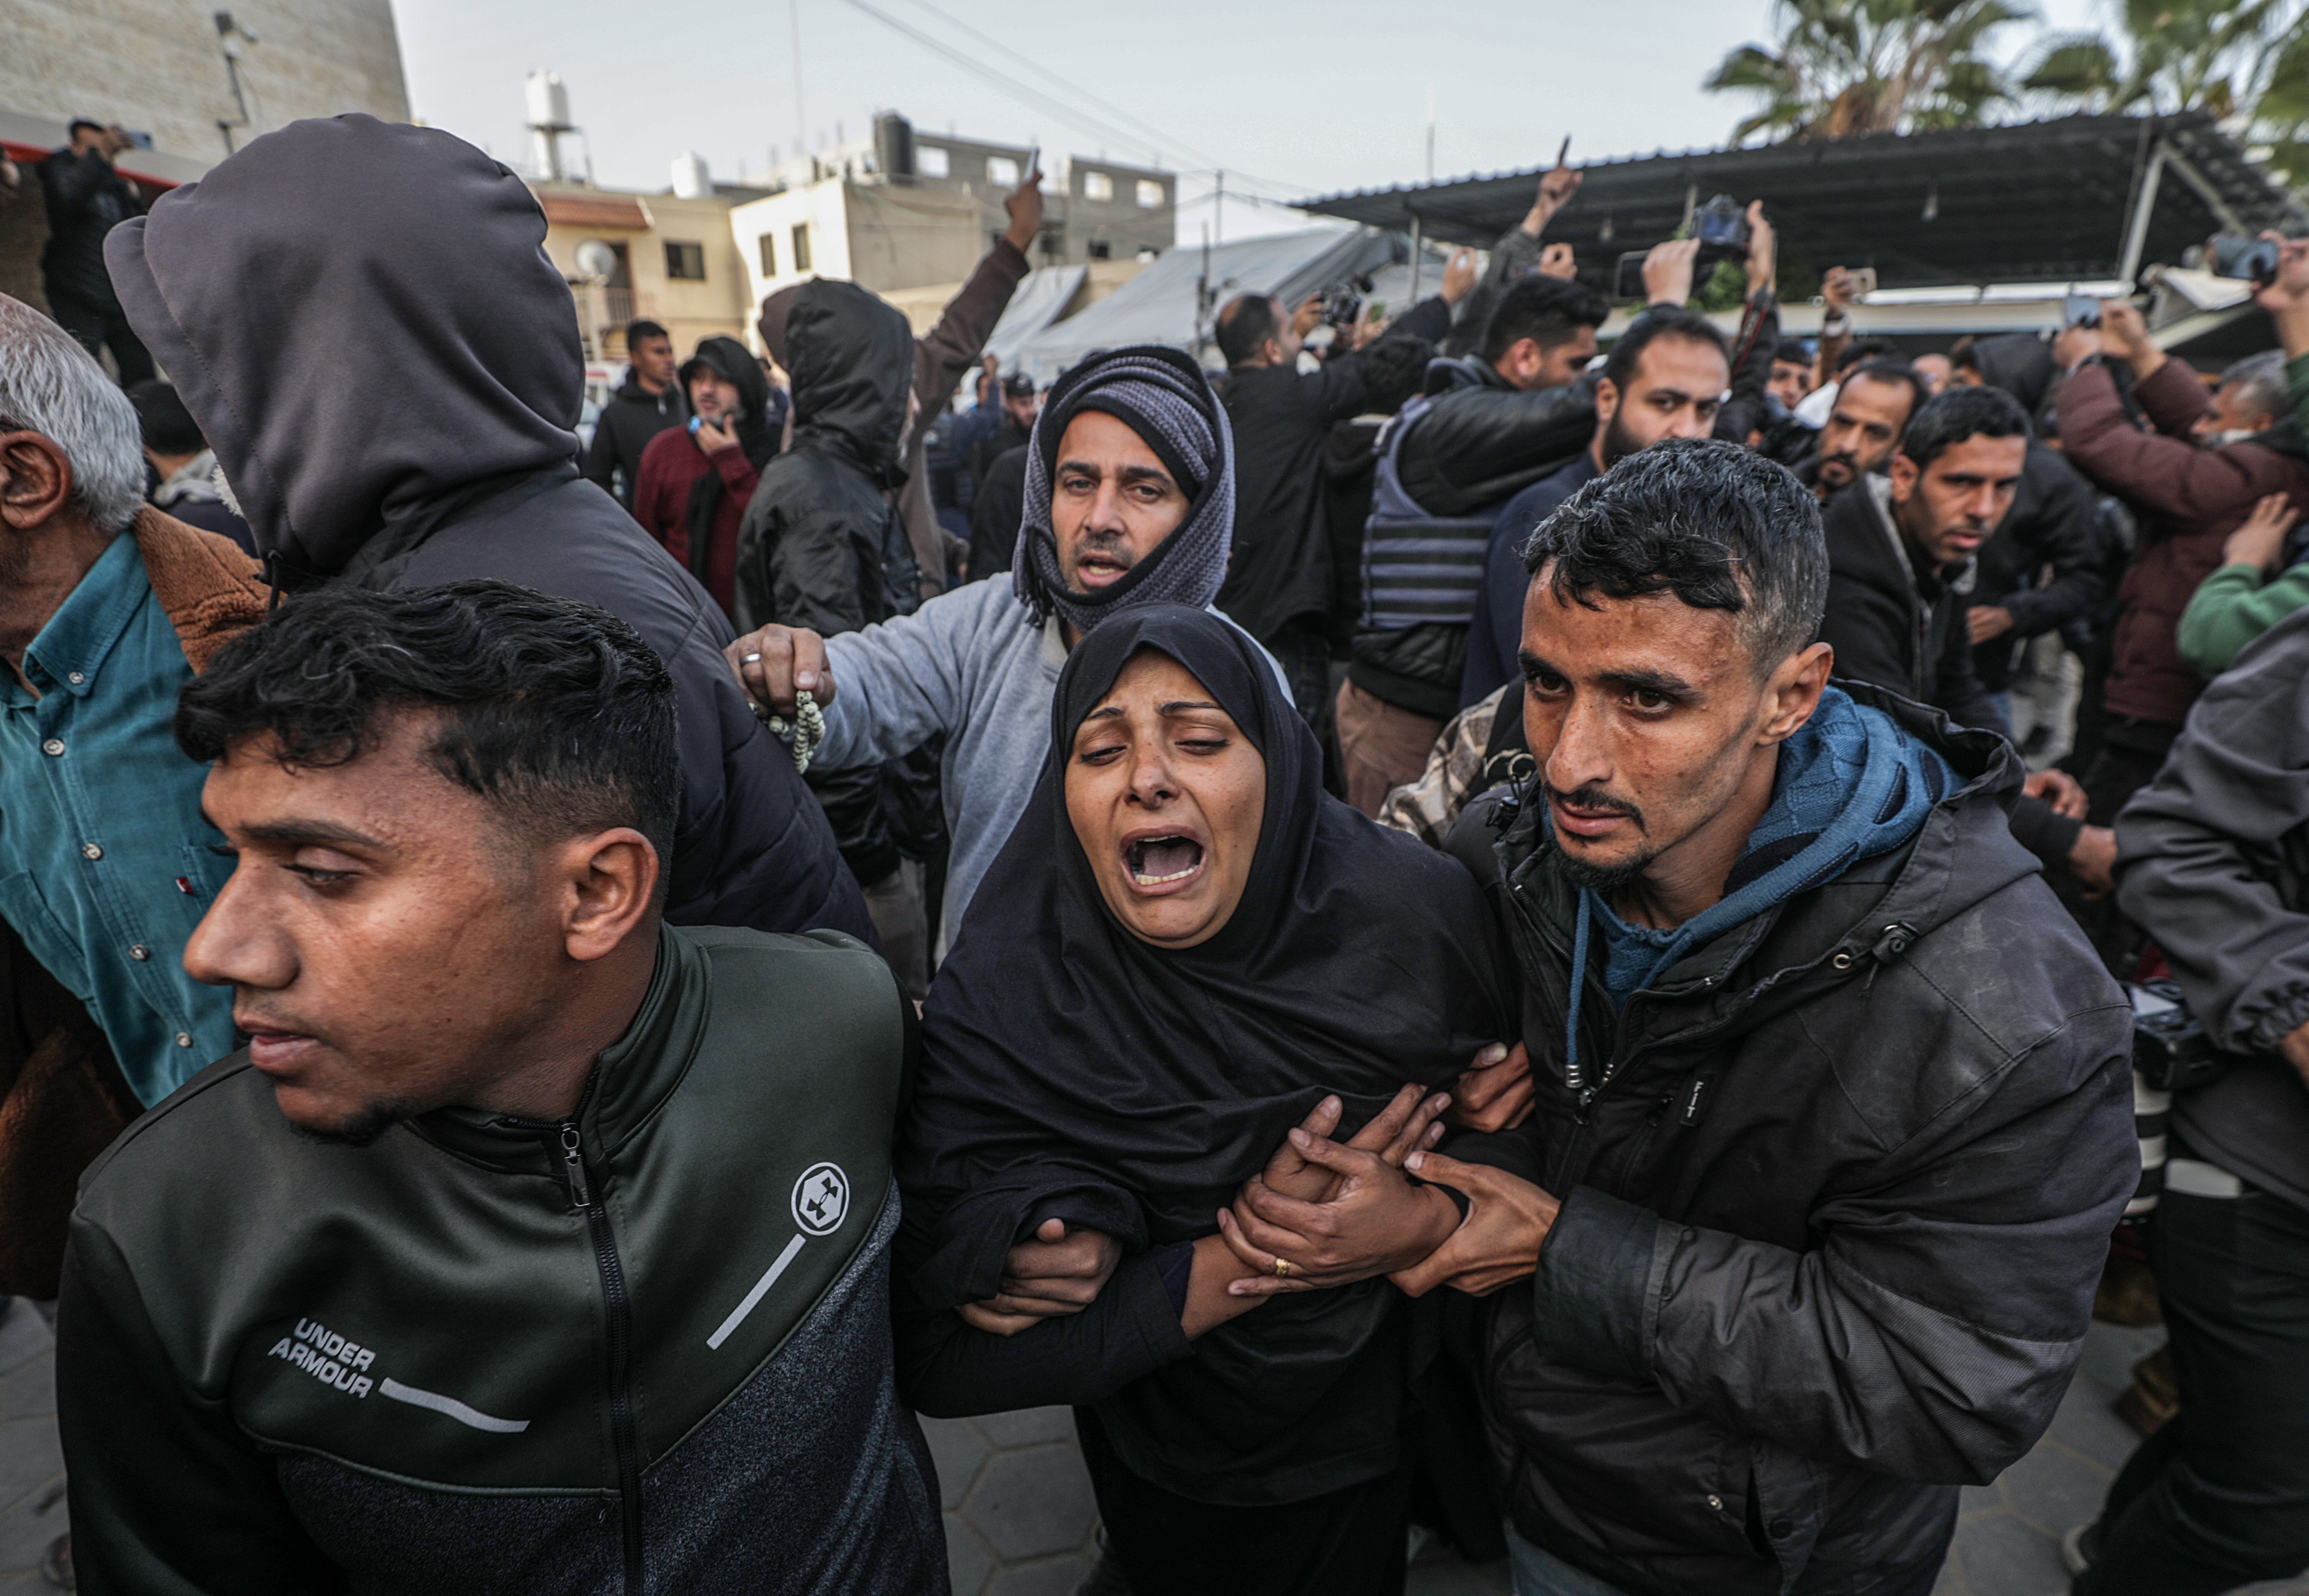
{"points": [[1130, 500]]}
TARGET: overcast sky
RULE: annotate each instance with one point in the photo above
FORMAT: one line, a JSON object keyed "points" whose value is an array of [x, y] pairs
{"points": [[1303, 97]]}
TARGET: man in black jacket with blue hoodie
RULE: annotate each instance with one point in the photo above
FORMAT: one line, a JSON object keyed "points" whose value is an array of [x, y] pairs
{"points": [[401, 414], [1832, 1114], [529, 1247]]}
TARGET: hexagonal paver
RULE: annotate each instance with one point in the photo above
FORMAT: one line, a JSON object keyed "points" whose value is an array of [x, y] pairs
{"points": [[968, 1563], [955, 1451], [1027, 1426], [1059, 1576], [1033, 1503]]}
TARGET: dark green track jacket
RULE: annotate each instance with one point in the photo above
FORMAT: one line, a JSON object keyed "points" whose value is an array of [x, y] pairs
{"points": [[646, 1349]]}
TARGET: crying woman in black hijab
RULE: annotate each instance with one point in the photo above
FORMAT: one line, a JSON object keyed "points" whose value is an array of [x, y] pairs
{"points": [[1186, 949]]}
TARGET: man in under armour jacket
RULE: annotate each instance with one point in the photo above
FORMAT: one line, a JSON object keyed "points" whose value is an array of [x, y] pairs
{"points": [[361, 317], [530, 1248], [1833, 1115]]}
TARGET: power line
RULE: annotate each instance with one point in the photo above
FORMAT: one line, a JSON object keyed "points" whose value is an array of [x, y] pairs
{"points": [[1065, 113], [1150, 139]]}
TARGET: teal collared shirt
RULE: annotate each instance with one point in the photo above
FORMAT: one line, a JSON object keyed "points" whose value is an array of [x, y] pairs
{"points": [[105, 860]]}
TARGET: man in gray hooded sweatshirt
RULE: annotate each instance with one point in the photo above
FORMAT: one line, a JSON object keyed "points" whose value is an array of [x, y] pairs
{"points": [[361, 317]]}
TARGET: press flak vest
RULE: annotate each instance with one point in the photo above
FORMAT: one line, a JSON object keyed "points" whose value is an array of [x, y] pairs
{"points": [[1419, 569]]}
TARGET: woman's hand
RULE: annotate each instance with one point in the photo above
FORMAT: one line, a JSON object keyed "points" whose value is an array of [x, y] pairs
{"points": [[1393, 1133], [1375, 1222], [1050, 1274]]}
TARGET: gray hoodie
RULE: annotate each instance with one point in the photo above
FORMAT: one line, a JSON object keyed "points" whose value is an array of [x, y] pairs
{"points": [[361, 317], [2211, 862]]}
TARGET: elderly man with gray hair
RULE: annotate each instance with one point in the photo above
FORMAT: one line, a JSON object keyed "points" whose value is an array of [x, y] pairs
{"points": [[106, 609]]}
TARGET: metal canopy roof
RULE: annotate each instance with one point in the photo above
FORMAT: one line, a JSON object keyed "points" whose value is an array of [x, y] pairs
{"points": [[2033, 201]]}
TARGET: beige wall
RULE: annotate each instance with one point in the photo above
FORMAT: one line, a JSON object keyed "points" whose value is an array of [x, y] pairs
{"points": [[689, 310], [886, 238], [154, 64]]}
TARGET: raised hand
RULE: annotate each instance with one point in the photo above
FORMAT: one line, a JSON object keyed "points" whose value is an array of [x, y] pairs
{"points": [[773, 662]]}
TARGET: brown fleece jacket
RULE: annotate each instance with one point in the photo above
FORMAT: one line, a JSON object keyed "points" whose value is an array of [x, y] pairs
{"points": [[62, 1096]]}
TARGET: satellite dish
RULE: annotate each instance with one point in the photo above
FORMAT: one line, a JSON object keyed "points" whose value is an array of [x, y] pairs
{"points": [[597, 261]]}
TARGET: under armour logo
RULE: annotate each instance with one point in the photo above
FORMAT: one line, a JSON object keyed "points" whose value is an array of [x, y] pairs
{"points": [[821, 1198]]}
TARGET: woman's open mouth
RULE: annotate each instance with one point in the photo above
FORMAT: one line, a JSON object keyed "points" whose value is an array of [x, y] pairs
{"points": [[1162, 861]]}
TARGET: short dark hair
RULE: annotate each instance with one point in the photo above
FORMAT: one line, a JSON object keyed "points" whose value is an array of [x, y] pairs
{"points": [[1662, 321], [1896, 374], [1550, 311], [554, 711], [1717, 526], [1867, 348], [1248, 322], [166, 425], [637, 330], [1018, 385], [72, 127], [1948, 418]]}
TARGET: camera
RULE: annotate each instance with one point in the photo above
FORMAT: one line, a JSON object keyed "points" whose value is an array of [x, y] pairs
{"points": [[2171, 1052], [1721, 227], [1343, 301], [2253, 260]]}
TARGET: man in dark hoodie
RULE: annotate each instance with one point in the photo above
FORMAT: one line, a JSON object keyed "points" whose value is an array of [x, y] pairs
{"points": [[1833, 1115], [433, 268], [823, 546], [645, 404], [697, 481]]}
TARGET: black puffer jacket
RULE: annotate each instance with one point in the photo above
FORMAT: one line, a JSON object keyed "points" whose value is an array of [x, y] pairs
{"points": [[822, 545], [434, 268], [1832, 1223], [632, 418]]}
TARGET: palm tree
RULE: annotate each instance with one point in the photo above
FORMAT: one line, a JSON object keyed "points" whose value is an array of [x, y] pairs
{"points": [[1856, 66], [2178, 55]]}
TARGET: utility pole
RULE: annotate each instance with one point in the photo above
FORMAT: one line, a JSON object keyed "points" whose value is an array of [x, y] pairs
{"points": [[1218, 209], [801, 128]]}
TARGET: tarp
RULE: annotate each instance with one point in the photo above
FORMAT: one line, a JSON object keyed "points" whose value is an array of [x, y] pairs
{"points": [[1163, 304], [1039, 300]]}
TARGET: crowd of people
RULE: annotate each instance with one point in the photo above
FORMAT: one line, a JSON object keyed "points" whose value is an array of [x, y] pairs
{"points": [[1432, 925]]}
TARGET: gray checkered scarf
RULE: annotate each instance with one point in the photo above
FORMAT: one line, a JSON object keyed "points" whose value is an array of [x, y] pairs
{"points": [[1160, 395]]}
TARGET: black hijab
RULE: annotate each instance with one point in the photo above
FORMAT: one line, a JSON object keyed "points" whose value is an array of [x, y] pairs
{"points": [[731, 361], [1072, 1070]]}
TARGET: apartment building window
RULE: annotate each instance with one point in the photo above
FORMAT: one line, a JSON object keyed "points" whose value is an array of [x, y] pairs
{"points": [[1097, 185], [1150, 195], [685, 262], [768, 244], [1002, 171], [801, 246], [929, 161]]}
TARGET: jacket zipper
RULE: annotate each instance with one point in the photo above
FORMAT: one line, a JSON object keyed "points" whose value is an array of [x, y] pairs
{"points": [[622, 1437]]}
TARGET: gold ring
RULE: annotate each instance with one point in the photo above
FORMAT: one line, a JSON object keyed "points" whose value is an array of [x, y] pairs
{"points": [[1282, 1269]]}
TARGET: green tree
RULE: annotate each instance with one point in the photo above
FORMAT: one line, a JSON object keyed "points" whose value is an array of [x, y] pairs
{"points": [[2171, 55], [2244, 59], [1855, 67]]}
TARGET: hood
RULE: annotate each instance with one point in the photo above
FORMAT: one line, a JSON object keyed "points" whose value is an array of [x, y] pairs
{"points": [[361, 317], [850, 356], [735, 364], [2019, 363]]}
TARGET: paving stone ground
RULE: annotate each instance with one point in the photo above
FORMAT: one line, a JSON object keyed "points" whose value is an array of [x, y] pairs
{"points": [[1020, 1521]]}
